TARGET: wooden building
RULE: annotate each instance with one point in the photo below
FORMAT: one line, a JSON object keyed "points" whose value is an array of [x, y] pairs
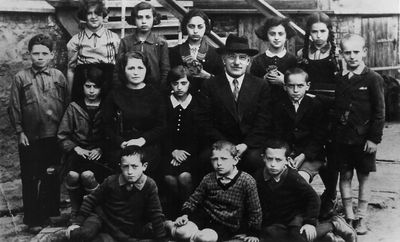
{"points": [[378, 23]]}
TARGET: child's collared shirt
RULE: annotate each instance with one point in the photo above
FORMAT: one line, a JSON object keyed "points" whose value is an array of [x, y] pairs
{"points": [[318, 53], [175, 102], [37, 102], [139, 184], [89, 47], [278, 55], [228, 178], [357, 71], [233, 204]]}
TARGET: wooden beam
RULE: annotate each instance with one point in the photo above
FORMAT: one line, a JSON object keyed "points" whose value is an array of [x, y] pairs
{"points": [[385, 68], [268, 10], [178, 11], [26, 6]]}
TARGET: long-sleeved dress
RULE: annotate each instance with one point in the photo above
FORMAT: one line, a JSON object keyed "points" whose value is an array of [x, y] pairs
{"points": [[134, 113]]}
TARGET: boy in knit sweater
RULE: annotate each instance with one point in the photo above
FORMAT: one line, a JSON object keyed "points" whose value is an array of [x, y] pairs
{"points": [[226, 202], [290, 206], [121, 208]]}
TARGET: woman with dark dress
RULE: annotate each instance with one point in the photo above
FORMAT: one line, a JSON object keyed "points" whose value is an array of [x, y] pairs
{"points": [[181, 143], [196, 54], [134, 113]]}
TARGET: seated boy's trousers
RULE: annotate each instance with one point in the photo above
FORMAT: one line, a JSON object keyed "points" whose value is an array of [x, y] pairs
{"points": [[40, 190], [282, 233]]}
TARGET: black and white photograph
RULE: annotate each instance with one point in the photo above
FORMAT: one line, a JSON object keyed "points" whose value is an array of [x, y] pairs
{"points": [[200, 120]]}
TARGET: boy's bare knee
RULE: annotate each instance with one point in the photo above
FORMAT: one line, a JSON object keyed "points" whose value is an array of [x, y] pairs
{"points": [[206, 235], [185, 177], [88, 180], [72, 180], [185, 232], [346, 176], [171, 180]]}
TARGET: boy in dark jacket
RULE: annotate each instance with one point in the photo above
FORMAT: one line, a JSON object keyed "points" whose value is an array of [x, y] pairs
{"points": [[299, 119], [290, 206], [359, 121], [123, 206], [81, 137], [38, 97]]}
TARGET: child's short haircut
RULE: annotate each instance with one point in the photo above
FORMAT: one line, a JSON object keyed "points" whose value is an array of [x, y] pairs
{"points": [[100, 10], [262, 31], [41, 39], [193, 13], [176, 73], [133, 150], [294, 71], [355, 37], [143, 6], [223, 144], [278, 144]]}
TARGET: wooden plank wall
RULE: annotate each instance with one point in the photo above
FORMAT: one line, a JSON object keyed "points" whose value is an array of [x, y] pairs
{"points": [[381, 32], [382, 38]]}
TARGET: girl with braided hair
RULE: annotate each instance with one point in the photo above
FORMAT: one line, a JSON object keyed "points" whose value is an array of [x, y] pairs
{"points": [[318, 59]]}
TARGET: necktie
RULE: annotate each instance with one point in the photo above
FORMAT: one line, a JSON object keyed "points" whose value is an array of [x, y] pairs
{"points": [[296, 106], [235, 89]]}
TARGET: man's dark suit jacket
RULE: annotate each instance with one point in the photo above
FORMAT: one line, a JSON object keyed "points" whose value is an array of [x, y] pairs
{"points": [[305, 130], [221, 118]]}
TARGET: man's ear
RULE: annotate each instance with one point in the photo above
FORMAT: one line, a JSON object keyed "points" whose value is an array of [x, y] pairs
{"points": [[145, 165], [308, 84], [52, 54]]}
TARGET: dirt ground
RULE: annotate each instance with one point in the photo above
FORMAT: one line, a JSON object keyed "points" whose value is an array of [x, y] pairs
{"points": [[384, 208]]}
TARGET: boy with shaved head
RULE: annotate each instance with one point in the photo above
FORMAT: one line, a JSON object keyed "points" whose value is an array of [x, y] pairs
{"points": [[359, 120]]}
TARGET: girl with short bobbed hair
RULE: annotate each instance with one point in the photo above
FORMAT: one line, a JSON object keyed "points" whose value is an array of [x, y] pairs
{"points": [[181, 143], [200, 58], [144, 6], [276, 60], [143, 39], [93, 45]]}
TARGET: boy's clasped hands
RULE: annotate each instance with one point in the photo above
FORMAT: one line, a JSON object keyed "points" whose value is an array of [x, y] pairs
{"points": [[94, 154]]}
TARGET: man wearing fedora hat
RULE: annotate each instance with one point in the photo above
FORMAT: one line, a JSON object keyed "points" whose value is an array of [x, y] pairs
{"points": [[233, 106]]}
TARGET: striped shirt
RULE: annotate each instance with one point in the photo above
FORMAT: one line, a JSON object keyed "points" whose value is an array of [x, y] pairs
{"points": [[89, 47]]}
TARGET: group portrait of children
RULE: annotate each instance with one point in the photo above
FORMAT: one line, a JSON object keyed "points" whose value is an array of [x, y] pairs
{"points": [[197, 143]]}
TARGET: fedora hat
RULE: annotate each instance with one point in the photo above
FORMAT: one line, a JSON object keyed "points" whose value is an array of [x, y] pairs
{"points": [[237, 44]]}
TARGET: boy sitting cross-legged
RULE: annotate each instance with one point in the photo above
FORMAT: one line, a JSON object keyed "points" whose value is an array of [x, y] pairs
{"points": [[123, 206], [226, 203], [290, 206]]}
